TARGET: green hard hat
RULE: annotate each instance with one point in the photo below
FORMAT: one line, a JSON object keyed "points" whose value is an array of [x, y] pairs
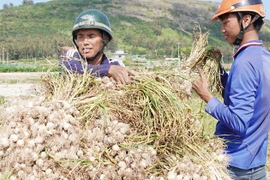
{"points": [[92, 19]]}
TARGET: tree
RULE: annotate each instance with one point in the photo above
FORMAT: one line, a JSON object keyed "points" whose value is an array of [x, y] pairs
{"points": [[5, 6], [28, 2], [31, 2], [25, 2]]}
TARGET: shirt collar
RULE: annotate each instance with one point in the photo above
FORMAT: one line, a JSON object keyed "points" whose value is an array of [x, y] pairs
{"points": [[249, 43], [105, 60]]}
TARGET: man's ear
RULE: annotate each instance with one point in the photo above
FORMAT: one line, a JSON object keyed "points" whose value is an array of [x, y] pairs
{"points": [[106, 37], [246, 20]]}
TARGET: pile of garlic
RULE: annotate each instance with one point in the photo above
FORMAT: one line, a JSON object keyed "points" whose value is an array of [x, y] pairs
{"points": [[30, 130], [47, 140], [186, 169]]}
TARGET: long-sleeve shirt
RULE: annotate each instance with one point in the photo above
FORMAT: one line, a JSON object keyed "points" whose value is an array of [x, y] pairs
{"points": [[244, 118], [76, 64]]}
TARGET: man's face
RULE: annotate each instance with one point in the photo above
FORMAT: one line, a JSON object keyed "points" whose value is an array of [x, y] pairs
{"points": [[89, 42], [230, 27]]}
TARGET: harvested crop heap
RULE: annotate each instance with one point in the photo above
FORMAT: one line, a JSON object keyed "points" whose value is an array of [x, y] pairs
{"points": [[88, 128]]}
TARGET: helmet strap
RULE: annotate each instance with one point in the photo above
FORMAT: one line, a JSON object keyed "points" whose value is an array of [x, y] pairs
{"points": [[240, 36]]}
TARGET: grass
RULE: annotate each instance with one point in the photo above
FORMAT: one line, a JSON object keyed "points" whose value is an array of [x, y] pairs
{"points": [[24, 65], [13, 77], [2, 100]]}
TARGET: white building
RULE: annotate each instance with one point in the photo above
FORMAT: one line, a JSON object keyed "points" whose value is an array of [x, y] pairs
{"points": [[120, 54]]}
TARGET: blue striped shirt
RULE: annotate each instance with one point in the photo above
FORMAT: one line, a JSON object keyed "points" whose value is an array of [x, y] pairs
{"points": [[243, 118], [73, 62]]}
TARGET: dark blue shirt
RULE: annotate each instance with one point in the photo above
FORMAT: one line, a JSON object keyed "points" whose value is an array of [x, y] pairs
{"points": [[76, 64]]}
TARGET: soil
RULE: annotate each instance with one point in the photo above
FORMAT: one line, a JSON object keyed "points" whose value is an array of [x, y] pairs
{"points": [[19, 84], [8, 90]]}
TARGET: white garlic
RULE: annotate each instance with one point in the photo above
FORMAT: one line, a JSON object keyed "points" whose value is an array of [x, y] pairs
{"points": [[50, 125], [14, 138], [43, 155], [39, 140], [40, 162], [115, 147], [48, 171], [80, 153], [196, 177], [20, 142], [172, 175], [122, 164]]}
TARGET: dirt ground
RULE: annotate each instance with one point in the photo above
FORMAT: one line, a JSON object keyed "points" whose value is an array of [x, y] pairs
{"points": [[8, 90], [19, 84]]}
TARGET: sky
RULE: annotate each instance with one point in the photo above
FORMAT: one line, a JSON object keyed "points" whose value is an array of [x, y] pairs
{"points": [[19, 2]]}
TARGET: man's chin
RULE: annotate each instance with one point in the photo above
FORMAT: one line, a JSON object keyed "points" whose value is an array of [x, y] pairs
{"points": [[87, 56]]}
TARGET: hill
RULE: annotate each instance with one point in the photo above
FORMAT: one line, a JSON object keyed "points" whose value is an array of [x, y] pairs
{"points": [[152, 28]]}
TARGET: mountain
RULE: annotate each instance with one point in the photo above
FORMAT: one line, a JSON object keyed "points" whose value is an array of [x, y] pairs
{"points": [[152, 28]]}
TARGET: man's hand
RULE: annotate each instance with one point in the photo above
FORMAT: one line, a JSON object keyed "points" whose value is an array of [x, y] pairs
{"points": [[120, 74], [218, 53], [201, 87]]}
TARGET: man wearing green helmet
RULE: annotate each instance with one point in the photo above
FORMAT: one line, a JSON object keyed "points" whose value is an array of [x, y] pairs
{"points": [[91, 33]]}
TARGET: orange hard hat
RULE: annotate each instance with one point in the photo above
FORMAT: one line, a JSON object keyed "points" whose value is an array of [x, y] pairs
{"points": [[227, 6]]}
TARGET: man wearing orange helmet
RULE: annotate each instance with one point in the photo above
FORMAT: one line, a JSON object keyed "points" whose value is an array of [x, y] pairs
{"points": [[243, 120]]}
